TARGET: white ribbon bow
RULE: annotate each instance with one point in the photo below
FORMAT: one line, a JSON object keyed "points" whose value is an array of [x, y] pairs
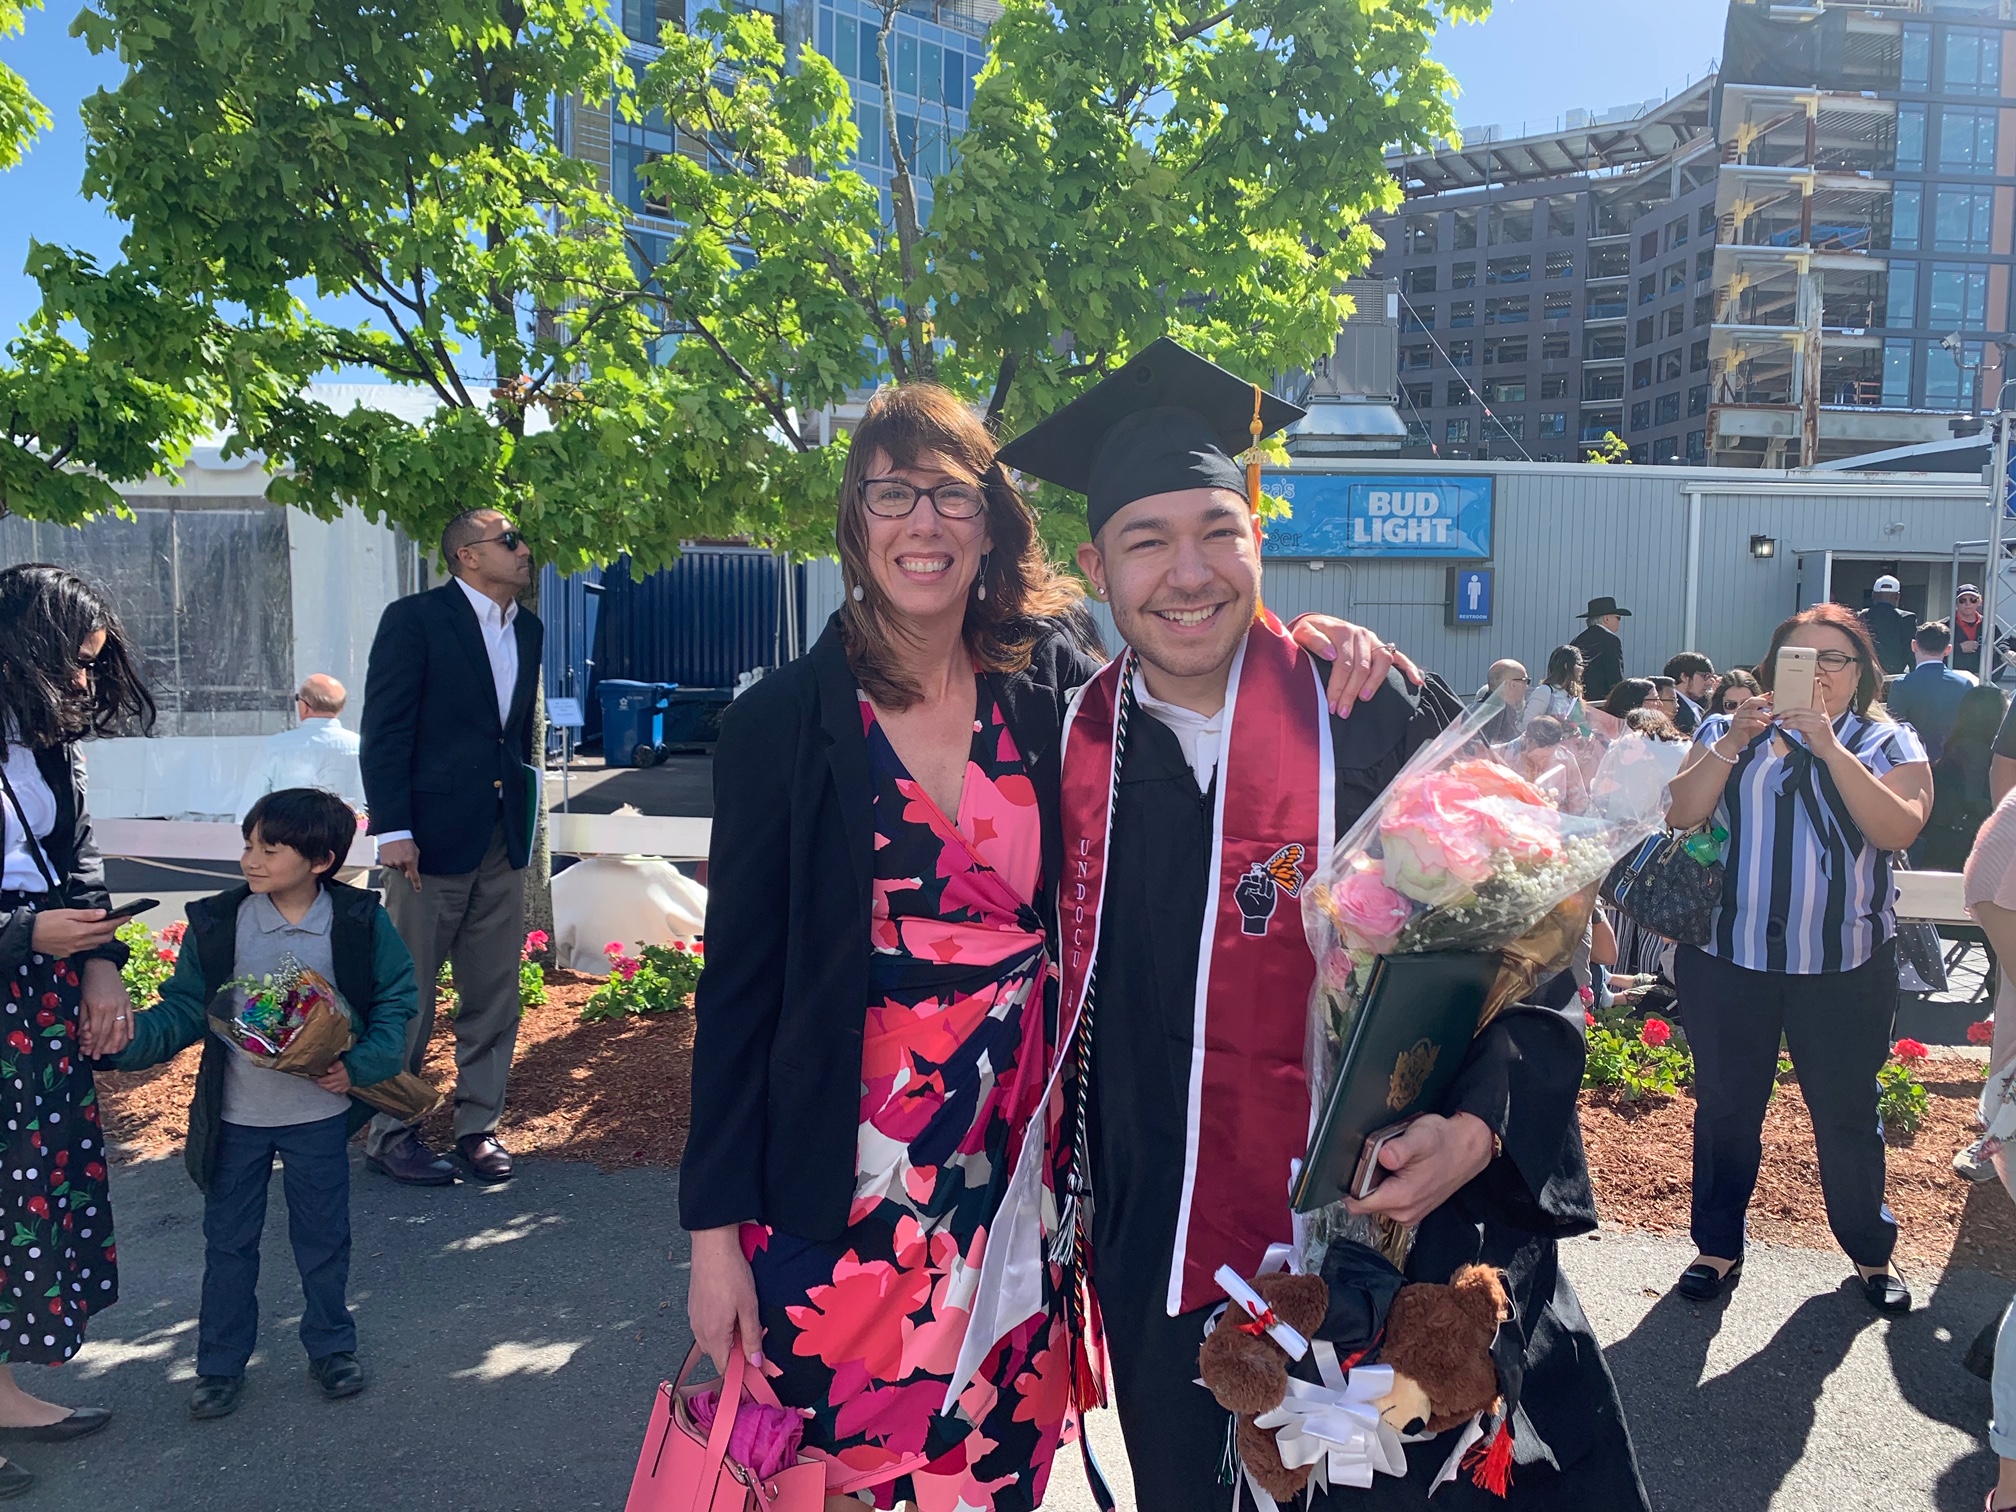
{"points": [[1333, 1427], [1336, 1428]]}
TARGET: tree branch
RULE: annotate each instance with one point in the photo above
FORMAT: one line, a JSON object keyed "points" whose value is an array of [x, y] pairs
{"points": [[772, 405], [1199, 27], [899, 368], [1004, 378], [904, 201]]}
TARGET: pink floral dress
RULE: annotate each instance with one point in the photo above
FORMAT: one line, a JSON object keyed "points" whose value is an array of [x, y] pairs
{"points": [[865, 1330]]}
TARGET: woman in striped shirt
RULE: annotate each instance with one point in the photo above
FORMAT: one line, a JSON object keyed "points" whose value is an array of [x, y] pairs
{"points": [[1804, 942]]}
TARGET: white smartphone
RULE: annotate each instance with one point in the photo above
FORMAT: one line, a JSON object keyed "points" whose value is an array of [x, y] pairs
{"points": [[1792, 679]]}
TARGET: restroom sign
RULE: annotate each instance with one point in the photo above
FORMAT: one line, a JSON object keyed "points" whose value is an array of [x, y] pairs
{"points": [[1380, 515], [1469, 596]]}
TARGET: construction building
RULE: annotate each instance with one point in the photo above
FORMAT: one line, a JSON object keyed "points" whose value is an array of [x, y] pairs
{"points": [[1804, 257]]}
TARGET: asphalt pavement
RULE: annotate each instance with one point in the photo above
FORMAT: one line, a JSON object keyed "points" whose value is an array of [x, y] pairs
{"points": [[514, 1336]]}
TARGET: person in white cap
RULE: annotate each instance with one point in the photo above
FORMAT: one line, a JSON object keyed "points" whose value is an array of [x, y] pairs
{"points": [[1890, 626]]}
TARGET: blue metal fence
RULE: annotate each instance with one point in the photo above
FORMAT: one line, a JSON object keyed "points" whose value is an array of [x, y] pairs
{"points": [[701, 623]]}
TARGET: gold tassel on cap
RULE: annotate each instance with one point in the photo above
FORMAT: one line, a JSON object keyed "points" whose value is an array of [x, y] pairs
{"points": [[1253, 457]]}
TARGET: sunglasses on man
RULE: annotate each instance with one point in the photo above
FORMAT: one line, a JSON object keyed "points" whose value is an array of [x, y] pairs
{"points": [[510, 540]]}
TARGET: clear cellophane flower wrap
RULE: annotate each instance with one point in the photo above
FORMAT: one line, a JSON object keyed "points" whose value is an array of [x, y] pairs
{"points": [[1472, 847], [294, 1020]]}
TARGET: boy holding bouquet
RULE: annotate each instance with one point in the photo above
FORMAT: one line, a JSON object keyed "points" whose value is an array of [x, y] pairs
{"points": [[290, 915]]}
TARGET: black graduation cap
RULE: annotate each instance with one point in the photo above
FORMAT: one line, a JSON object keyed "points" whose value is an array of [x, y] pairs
{"points": [[1166, 421]]}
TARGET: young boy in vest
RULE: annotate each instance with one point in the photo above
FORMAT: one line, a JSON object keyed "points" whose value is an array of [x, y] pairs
{"points": [[291, 908]]}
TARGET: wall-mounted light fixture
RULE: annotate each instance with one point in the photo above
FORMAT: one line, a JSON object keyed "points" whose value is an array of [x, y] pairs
{"points": [[1762, 547]]}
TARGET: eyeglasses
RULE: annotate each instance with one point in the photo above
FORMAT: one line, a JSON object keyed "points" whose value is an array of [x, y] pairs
{"points": [[893, 499], [1837, 661], [510, 540]]}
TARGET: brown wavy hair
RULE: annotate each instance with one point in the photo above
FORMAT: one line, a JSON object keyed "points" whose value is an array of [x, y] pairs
{"points": [[1834, 617], [1023, 588]]}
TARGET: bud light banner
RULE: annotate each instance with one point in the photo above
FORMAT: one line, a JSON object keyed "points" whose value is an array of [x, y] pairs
{"points": [[1380, 515]]}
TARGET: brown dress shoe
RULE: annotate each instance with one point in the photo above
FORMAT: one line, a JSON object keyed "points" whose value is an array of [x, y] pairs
{"points": [[482, 1158]]}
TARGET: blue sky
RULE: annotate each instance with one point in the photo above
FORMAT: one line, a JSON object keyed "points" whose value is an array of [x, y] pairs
{"points": [[1532, 60]]}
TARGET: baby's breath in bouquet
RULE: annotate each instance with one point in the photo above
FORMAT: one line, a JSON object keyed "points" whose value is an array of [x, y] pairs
{"points": [[1473, 847]]}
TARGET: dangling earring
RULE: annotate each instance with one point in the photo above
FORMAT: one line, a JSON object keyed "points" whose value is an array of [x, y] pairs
{"points": [[860, 593], [982, 591]]}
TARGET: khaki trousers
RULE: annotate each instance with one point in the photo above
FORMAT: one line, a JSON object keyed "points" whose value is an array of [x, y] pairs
{"points": [[476, 922]]}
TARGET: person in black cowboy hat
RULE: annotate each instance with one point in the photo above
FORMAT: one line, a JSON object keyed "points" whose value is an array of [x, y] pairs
{"points": [[1602, 651]]}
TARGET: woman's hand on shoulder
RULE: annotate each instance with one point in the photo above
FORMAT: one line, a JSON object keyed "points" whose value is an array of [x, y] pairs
{"points": [[1361, 660], [721, 1297]]}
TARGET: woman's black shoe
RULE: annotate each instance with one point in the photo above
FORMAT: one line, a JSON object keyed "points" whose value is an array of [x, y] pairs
{"points": [[81, 1422], [14, 1481], [1701, 1282], [1887, 1292]]}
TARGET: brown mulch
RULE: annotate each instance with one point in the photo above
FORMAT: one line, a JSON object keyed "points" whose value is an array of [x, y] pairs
{"points": [[613, 1093], [616, 1094], [1640, 1158]]}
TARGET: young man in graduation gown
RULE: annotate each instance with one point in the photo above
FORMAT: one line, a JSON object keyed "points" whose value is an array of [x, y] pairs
{"points": [[1204, 781]]}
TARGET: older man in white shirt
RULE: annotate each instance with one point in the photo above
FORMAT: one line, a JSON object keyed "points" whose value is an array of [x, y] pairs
{"points": [[316, 753]]}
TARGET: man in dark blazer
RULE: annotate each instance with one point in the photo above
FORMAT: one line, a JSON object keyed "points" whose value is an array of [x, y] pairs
{"points": [[447, 745], [1601, 647]]}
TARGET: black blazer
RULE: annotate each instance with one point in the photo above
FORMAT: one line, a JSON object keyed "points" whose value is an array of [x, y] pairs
{"points": [[435, 759], [783, 1002], [73, 854]]}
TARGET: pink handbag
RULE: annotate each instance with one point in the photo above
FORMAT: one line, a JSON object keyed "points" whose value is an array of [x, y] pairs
{"points": [[683, 1469]]}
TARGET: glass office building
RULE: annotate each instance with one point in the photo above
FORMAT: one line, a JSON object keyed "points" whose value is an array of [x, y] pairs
{"points": [[1804, 258], [935, 52]]}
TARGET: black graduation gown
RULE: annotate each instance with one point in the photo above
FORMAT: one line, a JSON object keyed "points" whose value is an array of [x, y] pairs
{"points": [[1521, 1077], [1602, 661]]}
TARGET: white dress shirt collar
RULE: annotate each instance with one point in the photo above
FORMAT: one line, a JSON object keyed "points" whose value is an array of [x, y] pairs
{"points": [[1200, 735], [489, 613]]}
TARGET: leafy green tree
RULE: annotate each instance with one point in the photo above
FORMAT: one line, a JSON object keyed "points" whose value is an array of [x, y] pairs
{"points": [[132, 396], [398, 161], [21, 114], [1131, 168], [1611, 451]]}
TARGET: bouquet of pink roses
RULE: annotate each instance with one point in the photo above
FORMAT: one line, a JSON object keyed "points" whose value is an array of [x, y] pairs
{"points": [[1466, 852]]}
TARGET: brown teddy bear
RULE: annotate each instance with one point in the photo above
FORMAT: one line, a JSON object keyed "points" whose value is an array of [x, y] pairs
{"points": [[1437, 1338], [1248, 1372], [1438, 1341]]}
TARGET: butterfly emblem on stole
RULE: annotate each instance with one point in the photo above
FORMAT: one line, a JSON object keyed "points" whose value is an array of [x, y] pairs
{"points": [[1260, 888]]}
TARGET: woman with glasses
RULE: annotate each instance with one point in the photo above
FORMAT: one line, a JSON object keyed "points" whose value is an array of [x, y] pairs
{"points": [[1803, 943], [66, 673], [876, 1019], [1731, 688]]}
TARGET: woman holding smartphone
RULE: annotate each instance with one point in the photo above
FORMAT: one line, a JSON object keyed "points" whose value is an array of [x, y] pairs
{"points": [[65, 673], [1816, 786]]}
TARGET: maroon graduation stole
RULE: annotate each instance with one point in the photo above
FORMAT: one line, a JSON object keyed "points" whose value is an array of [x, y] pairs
{"points": [[1272, 825]]}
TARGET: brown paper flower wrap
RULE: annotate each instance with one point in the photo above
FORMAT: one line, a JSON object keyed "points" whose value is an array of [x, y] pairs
{"points": [[296, 1021]]}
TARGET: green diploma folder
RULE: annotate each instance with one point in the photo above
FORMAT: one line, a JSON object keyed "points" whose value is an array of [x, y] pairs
{"points": [[1404, 1048]]}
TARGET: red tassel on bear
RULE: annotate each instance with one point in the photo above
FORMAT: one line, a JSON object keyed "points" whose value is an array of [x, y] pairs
{"points": [[1491, 1469]]}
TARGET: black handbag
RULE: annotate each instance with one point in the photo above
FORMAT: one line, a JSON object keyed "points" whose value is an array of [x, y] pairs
{"points": [[1662, 888]]}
